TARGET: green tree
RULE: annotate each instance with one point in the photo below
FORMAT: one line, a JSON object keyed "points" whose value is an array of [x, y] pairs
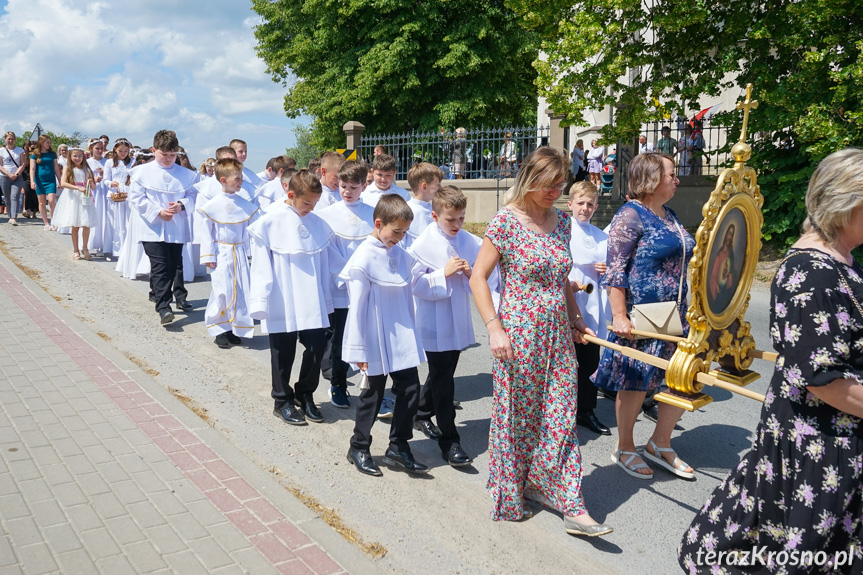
{"points": [[303, 150], [397, 65], [56, 139], [803, 59]]}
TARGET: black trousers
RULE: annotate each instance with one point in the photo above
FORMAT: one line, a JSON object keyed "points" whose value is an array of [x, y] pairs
{"points": [[166, 272], [437, 393], [332, 366], [588, 360], [406, 385], [283, 347]]}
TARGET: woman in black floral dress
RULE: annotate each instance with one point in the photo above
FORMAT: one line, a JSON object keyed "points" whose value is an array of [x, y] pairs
{"points": [[794, 504]]}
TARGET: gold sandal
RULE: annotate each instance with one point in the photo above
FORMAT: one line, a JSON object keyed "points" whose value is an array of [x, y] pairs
{"points": [[87, 255]]}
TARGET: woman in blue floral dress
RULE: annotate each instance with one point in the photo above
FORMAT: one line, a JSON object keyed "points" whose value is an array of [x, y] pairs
{"points": [[648, 251], [794, 504], [533, 448]]}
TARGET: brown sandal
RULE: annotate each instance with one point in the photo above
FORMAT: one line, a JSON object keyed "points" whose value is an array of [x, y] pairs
{"points": [[87, 255]]}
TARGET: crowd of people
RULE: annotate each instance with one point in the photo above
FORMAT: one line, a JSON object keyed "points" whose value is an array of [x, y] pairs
{"points": [[367, 274]]}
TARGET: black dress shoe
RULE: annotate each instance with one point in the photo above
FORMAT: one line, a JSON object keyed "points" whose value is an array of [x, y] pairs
{"points": [[428, 428], [166, 316], [153, 298], [222, 341], [290, 414], [182, 304], [456, 456], [403, 460], [363, 461], [589, 420], [233, 339], [311, 410]]}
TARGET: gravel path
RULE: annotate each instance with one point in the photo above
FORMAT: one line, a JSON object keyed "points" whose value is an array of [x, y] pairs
{"points": [[435, 524]]}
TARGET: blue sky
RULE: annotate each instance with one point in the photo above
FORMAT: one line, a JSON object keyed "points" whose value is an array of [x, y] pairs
{"points": [[128, 69]]}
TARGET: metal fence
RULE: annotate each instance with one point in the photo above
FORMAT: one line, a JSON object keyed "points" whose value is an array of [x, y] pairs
{"points": [[708, 161], [462, 153]]}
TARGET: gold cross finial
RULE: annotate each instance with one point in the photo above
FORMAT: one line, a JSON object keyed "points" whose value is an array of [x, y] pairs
{"points": [[746, 105]]}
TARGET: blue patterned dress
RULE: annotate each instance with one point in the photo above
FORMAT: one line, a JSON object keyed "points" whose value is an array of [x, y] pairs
{"points": [[532, 441], [644, 257], [800, 487]]}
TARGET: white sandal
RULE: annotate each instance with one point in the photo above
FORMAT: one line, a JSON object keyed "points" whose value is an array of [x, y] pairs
{"points": [[677, 466], [629, 467]]}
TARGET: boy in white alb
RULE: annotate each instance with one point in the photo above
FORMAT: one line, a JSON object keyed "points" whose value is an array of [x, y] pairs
{"points": [[588, 245], [424, 180], [290, 295], [444, 254], [330, 164], [384, 167], [209, 188], [380, 337], [274, 190], [352, 222], [223, 235], [162, 196], [242, 151]]}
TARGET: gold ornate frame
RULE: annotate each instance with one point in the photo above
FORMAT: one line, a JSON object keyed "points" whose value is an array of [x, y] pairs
{"points": [[722, 337]]}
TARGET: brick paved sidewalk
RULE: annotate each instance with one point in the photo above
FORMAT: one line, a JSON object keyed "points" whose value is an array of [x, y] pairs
{"points": [[102, 470]]}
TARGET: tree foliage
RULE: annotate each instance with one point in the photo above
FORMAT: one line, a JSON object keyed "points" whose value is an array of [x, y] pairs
{"points": [[397, 65], [803, 59], [56, 139], [303, 150]]}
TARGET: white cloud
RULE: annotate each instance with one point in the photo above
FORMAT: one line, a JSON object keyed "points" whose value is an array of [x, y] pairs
{"points": [[129, 69]]}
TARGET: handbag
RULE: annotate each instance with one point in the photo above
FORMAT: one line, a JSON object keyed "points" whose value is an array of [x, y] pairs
{"points": [[662, 317]]}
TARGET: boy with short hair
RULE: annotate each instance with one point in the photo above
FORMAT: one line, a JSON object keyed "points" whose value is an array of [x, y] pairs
{"points": [[370, 177], [161, 194], [273, 190], [384, 166], [380, 335], [352, 221], [269, 171], [588, 245], [290, 295], [444, 254], [315, 167], [223, 234], [209, 188], [330, 164], [242, 151], [424, 179]]}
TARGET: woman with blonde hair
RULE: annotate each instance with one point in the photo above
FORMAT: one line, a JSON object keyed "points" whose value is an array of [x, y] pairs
{"points": [[648, 251], [533, 447], [799, 489], [44, 175]]}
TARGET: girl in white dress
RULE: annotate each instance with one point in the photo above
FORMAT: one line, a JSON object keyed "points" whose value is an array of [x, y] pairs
{"points": [[100, 236], [75, 207], [117, 177]]}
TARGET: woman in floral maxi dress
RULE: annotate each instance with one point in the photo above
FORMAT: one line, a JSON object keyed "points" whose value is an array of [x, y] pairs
{"points": [[533, 447], [794, 504]]}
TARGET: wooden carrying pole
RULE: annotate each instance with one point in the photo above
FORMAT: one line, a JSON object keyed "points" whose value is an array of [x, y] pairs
{"points": [[700, 377], [754, 353]]}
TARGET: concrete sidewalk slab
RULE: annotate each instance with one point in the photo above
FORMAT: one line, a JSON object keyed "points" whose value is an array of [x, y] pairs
{"points": [[103, 470]]}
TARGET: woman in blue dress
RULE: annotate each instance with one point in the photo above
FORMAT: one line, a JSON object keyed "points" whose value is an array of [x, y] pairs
{"points": [[648, 251], [44, 175]]}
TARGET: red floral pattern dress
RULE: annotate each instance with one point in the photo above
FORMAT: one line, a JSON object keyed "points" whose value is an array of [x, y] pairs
{"points": [[532, 440]]}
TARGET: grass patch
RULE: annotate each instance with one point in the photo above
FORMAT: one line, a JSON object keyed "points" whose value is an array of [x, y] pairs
{"points": [[192, 405], [476, 228], [331, 518], [140, 363]]}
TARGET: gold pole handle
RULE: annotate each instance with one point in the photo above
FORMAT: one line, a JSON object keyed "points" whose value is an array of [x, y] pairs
{"points": [[700, 377]]}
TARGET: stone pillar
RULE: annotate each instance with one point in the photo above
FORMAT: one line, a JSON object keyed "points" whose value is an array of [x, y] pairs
{"points": [[555, 136], [353, 134]]}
